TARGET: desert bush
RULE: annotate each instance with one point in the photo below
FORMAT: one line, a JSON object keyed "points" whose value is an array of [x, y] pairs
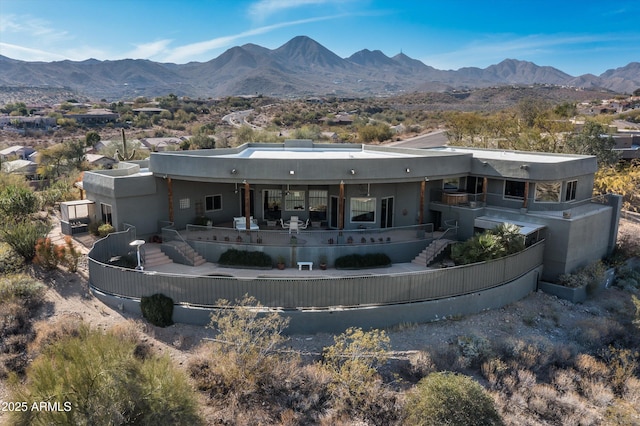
{"points": [[17, 202], [248, 378], [247, 340], [448, 398], [10, 260], [590, 276], [23, 236], [128, 389], [20, 295], [475, 349], [23, 288], [105, 229], [359, 261], [358, 391], [157, 309], [596, 333], [233, 257], [48, 255]]}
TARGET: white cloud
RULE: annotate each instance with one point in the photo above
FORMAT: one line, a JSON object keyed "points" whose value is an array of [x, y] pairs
{"points": [[28, 54], [31, 27], [149, 50]]}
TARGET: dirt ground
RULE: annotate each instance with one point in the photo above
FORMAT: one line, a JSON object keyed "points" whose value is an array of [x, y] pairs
{"points": [[538, 314]]}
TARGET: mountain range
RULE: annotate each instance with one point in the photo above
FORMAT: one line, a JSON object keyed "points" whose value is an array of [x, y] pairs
{"points": [[300, 67]]}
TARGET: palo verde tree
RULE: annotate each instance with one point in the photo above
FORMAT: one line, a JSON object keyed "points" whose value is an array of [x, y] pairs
{"points": [[594, 139]]}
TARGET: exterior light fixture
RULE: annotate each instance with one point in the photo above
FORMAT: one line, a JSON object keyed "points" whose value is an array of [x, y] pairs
{"points": [[236, 190], [292, 172], [352, 171], [524, 167], [426, 179], [408, 170], [234, 171]]}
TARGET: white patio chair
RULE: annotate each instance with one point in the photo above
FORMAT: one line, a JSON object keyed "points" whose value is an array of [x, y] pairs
{"points": [[293, 226], [305, 225]]}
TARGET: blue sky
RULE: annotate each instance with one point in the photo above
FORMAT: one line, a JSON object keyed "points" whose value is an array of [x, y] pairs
{"points": [[577, 37]]}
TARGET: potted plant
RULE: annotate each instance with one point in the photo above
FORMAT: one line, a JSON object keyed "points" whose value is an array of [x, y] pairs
{"points": [[259, 239], [363, 240], [330, 240], [280, 262], [323, 262], [238, 239], [349, 239]]}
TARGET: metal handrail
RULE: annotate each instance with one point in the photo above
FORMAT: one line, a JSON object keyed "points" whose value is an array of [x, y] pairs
{"points": [[169, 234], [434, 242]]}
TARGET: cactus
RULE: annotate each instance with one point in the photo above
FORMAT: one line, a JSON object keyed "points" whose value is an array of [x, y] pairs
{"points": [[126, 156]]}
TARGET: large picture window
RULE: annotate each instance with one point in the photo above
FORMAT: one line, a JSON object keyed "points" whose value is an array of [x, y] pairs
{"points": [[318, 204], [363, 210], [514, 189], [548, 192], [213, 202], [294, 200]]}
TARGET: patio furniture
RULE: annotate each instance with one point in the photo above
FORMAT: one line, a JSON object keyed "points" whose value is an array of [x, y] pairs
{"points": [[301, 264], [294, 225], [240, 223], [305, 225]]}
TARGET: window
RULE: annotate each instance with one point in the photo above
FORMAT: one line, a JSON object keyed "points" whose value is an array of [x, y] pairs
{"points": [[105, 210], [272, 204], [474, 184], [294, 200], [570, 194], [363, 210], [213, 202], [185, 203], [318, 204], [451, 184], [548, 192], [514, 189]]}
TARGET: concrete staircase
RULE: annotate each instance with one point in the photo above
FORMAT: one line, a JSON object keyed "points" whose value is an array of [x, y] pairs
{"points": [[186, 253], [429, 254], [153, 256]]}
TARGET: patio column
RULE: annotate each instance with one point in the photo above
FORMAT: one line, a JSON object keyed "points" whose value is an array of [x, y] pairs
{"points": [[247, 206], [170, 196], [341, 206], [423, 185], [526, 195]]}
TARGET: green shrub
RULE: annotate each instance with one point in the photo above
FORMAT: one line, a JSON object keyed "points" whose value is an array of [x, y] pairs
{"points": [[447, 398], [105, 229], [503, 240], [102, 379], [10, 260], [157, 309], [21, 287], [17, 202], [233, 257], [24, 235], [361, 261]]}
